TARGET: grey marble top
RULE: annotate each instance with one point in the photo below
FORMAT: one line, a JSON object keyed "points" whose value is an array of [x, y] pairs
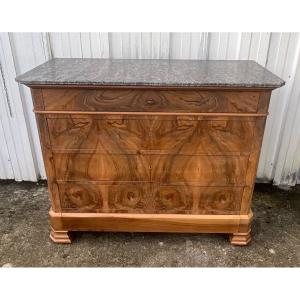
{"points": [[137, 72]]}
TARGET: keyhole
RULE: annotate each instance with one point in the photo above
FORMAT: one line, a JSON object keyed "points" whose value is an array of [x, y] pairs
{"points": [[150, 101]]}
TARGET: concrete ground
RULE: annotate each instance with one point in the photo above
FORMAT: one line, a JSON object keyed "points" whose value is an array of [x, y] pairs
{"points": [[24, 235]]}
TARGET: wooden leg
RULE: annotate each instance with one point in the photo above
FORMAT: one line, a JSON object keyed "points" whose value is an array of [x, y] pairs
{"points": [[240, 238], [243, 236], [60, 236]]}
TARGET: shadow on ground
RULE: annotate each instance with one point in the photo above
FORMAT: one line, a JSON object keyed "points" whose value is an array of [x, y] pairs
{"points": [[24, 236]]}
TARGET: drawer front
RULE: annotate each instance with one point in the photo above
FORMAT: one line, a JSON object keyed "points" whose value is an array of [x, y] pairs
{"points": [[149, 198], [102, 135], [99, 167], [202, 137], [196, 200], [109, 198], [199, 170], [140, 100], [175, 135]]}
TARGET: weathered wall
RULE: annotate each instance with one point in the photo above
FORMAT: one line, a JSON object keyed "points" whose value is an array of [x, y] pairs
{"points": [[20, 154]]}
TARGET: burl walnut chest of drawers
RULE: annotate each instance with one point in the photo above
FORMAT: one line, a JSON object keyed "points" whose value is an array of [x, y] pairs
{"points": [[151, 145]]}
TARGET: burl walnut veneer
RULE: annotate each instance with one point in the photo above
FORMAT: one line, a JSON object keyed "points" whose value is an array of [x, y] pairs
{"points": [[151, 145]]}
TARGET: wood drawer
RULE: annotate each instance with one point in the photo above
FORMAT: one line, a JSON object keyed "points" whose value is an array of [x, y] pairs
{"points": [[196, 200], [199, 170], [149, 198], [172, 135], [181, 169], [101, 167], [203, 137], [126, 198], [141, 100]]}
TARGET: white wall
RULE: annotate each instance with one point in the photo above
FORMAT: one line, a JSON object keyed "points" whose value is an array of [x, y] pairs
{"points": [[20, 154]]}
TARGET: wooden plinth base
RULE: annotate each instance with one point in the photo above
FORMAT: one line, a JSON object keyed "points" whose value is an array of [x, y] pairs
{"points": [[238, 226], [60, 236], [240, 239]]}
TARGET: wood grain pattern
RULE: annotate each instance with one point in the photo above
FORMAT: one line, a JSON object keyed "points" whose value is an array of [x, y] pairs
{"points": [[187, 136], [149, 198], [180, 169], [81, 197], [199, 170], [171, 160], [112, 100], [147, 113], [37, 97], [47, 152], [79, 166], [203, 137], [108, 198], [196, 200], [99, 135], [264, 101], [148, 222], [48, 162], [252, 165]]}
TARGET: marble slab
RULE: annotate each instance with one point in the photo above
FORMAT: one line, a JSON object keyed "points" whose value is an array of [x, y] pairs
{"points": [[155, 72]]}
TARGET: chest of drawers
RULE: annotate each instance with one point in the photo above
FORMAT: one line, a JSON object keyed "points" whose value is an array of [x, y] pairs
{"points": [[149, 145]]}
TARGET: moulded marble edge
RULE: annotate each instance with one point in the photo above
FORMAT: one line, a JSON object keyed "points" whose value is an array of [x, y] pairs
{"points": [[168, 73]]}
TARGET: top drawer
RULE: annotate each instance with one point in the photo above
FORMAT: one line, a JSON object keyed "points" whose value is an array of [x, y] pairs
{"points": [[143, 100]]}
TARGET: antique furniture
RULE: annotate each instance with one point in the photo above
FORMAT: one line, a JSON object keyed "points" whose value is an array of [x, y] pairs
{"points": [[151, 145]]}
